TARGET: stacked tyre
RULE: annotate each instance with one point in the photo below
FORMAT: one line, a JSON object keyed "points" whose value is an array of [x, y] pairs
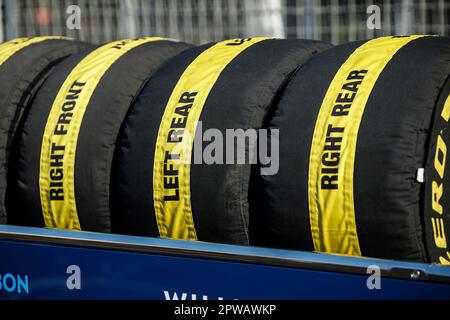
{"points": [[24, 65], [154, 137], [164, 185], [363, 156], [66, 147]]}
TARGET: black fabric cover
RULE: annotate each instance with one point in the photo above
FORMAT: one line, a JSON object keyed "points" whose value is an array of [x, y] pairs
{"points": [[20, 77], [240, 98], [97, 137], [392, 145]]}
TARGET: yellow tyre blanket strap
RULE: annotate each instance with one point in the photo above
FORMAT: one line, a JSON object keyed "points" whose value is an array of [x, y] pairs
{"points": [[59, 144], [171, 167]]}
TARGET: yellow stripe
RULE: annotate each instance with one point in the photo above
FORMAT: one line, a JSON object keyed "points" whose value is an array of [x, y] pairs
{"points": [[59, 144], [171, 178], [445, 114], [9, 48], [331, 202]]}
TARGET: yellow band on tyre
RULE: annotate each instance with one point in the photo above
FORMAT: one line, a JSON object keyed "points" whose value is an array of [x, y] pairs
{"points": [[59, 144], [7, 49], [332, 155], [171, 168]]}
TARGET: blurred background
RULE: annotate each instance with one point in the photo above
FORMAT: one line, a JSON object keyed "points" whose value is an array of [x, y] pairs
{"points": [[201, 21]]}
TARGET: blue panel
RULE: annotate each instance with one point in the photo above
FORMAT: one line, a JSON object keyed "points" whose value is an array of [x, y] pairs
{"points": [[292, 255], [112, 274]]}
